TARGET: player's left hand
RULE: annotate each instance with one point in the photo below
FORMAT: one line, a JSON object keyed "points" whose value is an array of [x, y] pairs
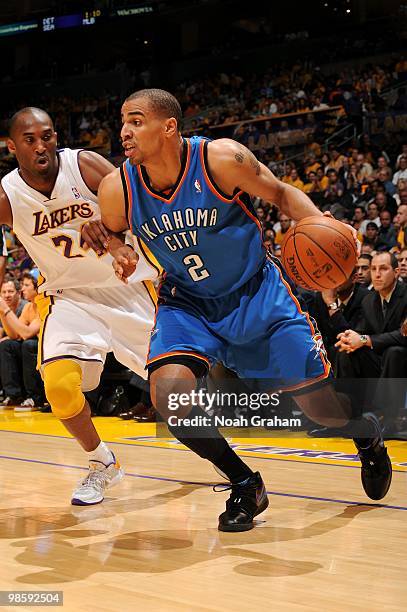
{"points": [[124, 262], [403, 328], [352, 229], [95, 236]]}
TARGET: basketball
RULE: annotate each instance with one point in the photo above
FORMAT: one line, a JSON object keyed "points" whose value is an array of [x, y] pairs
{"points": [[319, 253]]}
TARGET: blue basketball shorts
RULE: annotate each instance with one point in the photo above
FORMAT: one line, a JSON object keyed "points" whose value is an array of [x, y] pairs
{"points": [[258, 331]]}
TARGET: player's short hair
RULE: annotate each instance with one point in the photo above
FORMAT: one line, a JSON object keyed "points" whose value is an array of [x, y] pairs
{"points": [[162, 102], [28, 110], [366, 256]]}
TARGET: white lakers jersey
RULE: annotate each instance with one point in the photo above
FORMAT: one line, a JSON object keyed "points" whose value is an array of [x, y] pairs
{"points": [[50, 230]]}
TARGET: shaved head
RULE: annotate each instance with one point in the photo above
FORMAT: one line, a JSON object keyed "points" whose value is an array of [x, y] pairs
{"points": [[33, 141], [26, 115]]}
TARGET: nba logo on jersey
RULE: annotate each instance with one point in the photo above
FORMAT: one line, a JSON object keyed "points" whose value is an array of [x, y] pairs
{"points": [[76, 193], [197, 186]]}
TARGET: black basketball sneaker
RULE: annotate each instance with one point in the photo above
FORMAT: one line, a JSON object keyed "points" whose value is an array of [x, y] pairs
{"points": [[376, 465], [247, 500]]}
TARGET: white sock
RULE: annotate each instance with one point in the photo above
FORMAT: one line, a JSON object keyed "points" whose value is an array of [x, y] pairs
{"points": [[101, 454]]}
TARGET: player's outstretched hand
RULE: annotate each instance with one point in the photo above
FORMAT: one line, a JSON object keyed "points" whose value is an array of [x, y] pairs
{"points": [[95, 236], [124, 262]]}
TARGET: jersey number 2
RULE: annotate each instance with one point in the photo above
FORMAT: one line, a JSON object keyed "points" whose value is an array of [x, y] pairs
{"points": [[66, 242], [195, 267]]}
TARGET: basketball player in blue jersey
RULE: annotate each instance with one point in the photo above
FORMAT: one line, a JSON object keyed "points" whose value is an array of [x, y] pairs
{"points": [[222, 299]]}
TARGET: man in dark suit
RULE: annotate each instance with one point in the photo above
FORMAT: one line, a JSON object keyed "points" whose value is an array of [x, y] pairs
{"points": [[376, 348], [336, 311]]}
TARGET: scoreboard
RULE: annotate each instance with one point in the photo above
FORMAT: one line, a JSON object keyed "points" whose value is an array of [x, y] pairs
{"points": [[70, 21], [86, 18]]}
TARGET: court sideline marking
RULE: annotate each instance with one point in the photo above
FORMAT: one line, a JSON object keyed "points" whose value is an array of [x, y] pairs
{"points": [[204, 484], [242, 453]]}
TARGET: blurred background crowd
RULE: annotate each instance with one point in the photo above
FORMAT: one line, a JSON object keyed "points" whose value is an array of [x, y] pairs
{"points": [[324, 108]]}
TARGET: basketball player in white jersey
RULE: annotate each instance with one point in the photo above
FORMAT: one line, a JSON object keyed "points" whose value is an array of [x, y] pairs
{"points": [[85, 310]]}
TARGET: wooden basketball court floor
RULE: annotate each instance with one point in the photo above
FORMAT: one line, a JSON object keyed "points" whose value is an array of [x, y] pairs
{"points": [[153, 544]]}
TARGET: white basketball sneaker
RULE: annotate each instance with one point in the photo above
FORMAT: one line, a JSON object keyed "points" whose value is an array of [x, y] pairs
{"points": [[92, 488]]}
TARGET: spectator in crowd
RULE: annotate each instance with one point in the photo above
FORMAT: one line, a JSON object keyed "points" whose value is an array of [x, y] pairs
{"points": [[365, 169], [325, 160], [261, 215], [285, 224], [311, 164], [402, 259], [335, 186], [401, 192], [294, 180], [400, 221], [359, 215], [384, 176], [18, 352], [387, 236], [382, 164], [336, 161], [376, 347], [372, 216], [401, 174], [11, 296], [313, 185], [384, 201], [322, 178], [402, 154], [371, 235], [362, 270]]}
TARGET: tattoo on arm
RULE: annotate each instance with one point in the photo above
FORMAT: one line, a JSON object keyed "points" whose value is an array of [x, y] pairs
{"points": [[255, 164], [239, 157]]}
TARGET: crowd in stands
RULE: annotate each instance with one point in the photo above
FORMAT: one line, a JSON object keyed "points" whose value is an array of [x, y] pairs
{"points": [[223, 99], [283, 89], [360, 185]]}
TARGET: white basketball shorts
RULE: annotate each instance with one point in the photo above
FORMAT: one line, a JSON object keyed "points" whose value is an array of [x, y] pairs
{"points": [[86, 324]]}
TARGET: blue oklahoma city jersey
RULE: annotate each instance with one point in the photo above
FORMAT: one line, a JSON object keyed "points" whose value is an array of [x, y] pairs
{"points": [[222, 299], [209, 243]]}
